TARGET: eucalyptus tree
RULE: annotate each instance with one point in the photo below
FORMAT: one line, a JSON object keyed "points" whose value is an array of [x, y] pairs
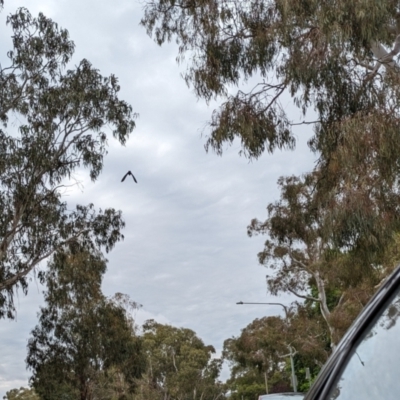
{"points": [[259, 356], [21, 394], [254, 358], [326, 54], [179, 365], [337, 61], [53, 120], [306, 252], [84, 344]]}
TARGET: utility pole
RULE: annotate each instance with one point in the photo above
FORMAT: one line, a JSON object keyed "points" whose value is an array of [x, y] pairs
{"points": [[294, 378], [291, 354]]}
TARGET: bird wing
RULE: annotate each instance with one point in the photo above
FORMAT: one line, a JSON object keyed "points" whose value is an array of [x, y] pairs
{"points": [[134, 178], [125, 176]]}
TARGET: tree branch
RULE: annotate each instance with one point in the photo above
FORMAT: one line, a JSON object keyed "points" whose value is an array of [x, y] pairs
{"points": [[383, 56], [304, 296]]}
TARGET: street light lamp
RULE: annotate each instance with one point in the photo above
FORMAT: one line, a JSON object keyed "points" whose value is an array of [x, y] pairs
{"points": [[291, 353]]}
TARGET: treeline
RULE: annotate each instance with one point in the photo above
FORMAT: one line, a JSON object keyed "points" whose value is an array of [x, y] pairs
{"points": [[87, 346]]}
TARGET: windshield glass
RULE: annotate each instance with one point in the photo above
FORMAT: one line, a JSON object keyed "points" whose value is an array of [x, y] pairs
{"points": [[372, 370]]}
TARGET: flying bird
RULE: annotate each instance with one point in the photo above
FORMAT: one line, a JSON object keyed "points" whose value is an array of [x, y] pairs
{"points": [[128, 173]]}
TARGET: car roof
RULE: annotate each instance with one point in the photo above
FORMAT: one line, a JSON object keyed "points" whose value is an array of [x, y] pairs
{"points": [[278, 396]]}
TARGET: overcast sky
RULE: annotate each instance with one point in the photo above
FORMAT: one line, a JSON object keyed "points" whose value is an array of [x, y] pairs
{"points": [[186, 256]]}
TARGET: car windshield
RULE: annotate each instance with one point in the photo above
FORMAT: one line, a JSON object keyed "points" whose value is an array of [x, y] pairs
{"points": [[372, 370]]}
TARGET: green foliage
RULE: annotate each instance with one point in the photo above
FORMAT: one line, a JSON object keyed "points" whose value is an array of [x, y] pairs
{"points": [[83, 341], [304, 383], [332, 299], [180, 365], [61, 118], [247, 387], [259, 356], [21, 394]]}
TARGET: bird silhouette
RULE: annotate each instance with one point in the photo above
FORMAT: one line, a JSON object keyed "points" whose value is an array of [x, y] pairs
{"points": [[128, 173]]}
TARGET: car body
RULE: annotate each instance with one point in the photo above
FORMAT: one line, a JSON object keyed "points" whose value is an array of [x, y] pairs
{"points": [[366, 362], [282, 396]]}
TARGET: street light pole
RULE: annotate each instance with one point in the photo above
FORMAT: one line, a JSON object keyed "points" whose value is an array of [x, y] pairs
{"points": [[291, 353]]}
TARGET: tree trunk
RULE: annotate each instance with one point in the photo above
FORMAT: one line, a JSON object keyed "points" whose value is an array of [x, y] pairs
{"points": [[324, 307]]}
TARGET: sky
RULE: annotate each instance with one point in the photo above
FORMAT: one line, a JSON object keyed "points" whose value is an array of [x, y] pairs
{"points": [[186, 256]]}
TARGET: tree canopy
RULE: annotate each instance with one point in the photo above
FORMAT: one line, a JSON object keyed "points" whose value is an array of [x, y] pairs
{"points": [[180, 365], [21, 394], [259, 357], [326, 54], [84, 343], [307, 256], [62, 118]]}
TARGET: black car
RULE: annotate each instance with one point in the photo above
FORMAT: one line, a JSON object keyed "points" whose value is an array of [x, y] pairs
{"points": [[366, 363]]}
